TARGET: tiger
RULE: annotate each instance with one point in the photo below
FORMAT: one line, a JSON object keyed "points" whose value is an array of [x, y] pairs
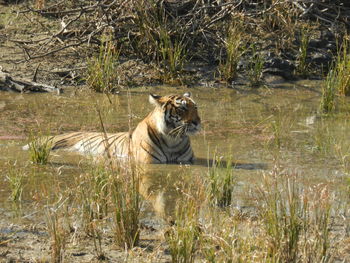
{"points": [[160, 138]]}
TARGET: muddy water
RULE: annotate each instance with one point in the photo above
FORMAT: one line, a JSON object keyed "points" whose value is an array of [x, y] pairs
{"points": [[257, 129]]}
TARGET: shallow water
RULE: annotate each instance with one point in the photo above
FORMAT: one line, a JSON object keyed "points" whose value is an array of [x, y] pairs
{"points": [[258, 129]]}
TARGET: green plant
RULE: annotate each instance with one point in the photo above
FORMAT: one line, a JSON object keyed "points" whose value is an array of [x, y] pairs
{"points": [[163, 39], [92, 194], [256, 68], [173, 53], [302, 65], [296, 220], [183, 236], [58, 235], [234, 50], [329, 87], [279, 17], [323, 141], [101, 72], [125, 197], [277, 130], [40, 148], [15, 179], [221, 184], [342, 69]]}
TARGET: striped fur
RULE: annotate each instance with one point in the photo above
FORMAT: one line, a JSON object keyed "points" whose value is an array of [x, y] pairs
{"points": [[162, 137]]}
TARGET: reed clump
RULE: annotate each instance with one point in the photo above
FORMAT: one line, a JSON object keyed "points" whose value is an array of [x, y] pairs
{"points": [[92, 196], [342, 68], [40, 148], [329, 90], [221, 183], [256, 67], [302, 64], [15, 178], [235, 48], [163, 40], [108, 191], [296, 220], [337, 81], [183, 236], [102, 73], [58, 234], [126, 204]]}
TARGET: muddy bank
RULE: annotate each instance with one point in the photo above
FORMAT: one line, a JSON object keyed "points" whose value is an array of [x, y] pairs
{"points": [[175, 43]]}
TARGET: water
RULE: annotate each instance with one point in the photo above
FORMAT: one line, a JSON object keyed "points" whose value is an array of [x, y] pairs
{"points": [[258, 129]]}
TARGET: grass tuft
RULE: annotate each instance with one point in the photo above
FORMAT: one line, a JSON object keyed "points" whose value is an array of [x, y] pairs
{"points": [[101, 72], [126, 204], [57, 234], [256, 67], [302, 65], [328, 102], [296, 220], [234, 50], [342, 69], [40, 148], [221, 184], [15, 178], [183, 236], [173, 54]]}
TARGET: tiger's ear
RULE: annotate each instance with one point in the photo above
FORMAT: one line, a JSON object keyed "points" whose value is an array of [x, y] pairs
{"points": [[154, 99], [187, 94]]}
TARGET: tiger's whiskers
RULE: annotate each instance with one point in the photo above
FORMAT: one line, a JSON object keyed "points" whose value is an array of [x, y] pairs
{"points": [[178, 131]]}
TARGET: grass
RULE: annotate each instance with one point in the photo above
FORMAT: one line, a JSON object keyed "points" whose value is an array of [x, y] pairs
{"points": [[342, 68], [329, 87], [40, 148], [302, 65], [92, 195], [296, 220], [163, 40], [126, 205], [277, 127], [337, 81], [183, 236], [256, 67], [15, 178], [221, 184], [324, 142], [102, 70], [234, 46], [291, 221], [173, 55], [103, 192], [58, 234]]}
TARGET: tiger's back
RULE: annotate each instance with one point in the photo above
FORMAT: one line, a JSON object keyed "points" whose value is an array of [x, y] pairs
{"points": [[93, 143]]}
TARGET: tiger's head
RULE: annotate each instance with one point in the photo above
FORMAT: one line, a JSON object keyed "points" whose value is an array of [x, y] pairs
{"points": [[177, 114]]}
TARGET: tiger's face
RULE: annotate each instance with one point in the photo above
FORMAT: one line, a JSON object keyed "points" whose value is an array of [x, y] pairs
{"points": [[179, 114]]}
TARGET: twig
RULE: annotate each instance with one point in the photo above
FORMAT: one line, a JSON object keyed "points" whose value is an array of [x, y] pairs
{"points": [[35, 72]]}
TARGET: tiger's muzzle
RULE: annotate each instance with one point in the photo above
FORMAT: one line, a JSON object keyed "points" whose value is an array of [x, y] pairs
{"points": [[193, 127]]}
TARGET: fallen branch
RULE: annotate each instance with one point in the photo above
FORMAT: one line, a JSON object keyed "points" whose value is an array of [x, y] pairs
{"points": [[9, 83]]}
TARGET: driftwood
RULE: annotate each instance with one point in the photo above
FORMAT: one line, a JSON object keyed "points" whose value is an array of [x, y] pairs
{"points": [[9, 83]]}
